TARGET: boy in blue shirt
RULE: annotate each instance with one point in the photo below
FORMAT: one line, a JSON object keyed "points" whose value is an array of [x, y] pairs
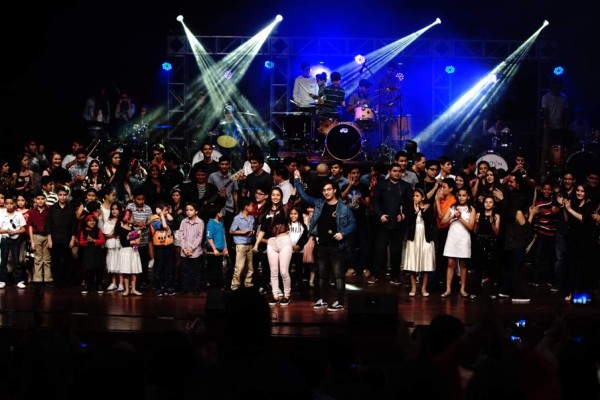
{"points": [[242, 231], [216, 247]]}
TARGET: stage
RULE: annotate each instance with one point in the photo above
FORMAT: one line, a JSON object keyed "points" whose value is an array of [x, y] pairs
{"points": [[382, 310]]}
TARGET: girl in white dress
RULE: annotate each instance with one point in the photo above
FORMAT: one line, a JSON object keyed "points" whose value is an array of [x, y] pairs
{"points": [[458, 244], [113, 247], [419, 250], [130, 263]]}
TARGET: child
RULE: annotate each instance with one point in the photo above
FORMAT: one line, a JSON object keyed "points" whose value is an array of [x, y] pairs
{"points": [[216, 247], [487, 230], [308, 253], [419, 252], [191, 233], [113, 245], [23, 208], [164, 262], [130, 264], [91, 242], [242, 230], [48, 190], [12, 224], [461, 217], [298, 236], [39, 239]]}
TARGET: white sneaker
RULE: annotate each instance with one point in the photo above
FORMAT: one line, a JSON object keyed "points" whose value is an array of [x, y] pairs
{"points": [[2, 285], [120, 288], [21, 285], [150, 264], [111, 287]]}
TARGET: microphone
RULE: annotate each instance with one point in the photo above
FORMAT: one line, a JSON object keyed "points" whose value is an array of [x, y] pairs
{"points": [[362, 68]]}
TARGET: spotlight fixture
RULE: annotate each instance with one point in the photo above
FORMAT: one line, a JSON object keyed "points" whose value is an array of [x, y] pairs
{"points": [[279, 18], [400, 76], [546, 23], [166, 66], [438, 21], [180, 18], [450, 69], [558, 70], [269, 64], [359, 59], [228, 75]]}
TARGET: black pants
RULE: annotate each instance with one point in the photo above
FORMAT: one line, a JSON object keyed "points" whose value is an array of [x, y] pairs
{"points": [[330, 259]]}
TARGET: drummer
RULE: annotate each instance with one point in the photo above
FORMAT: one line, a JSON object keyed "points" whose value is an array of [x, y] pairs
{"points": [[360, 97], [231, 126]]}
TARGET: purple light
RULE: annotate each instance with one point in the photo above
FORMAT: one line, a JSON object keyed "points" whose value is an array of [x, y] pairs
{"points": [[228, 75]]}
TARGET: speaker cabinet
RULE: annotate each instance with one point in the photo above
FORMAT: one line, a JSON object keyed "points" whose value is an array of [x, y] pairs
{"points": [[216, 300], [373, 309]]}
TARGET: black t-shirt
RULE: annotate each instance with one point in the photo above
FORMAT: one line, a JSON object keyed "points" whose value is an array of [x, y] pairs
{"points": [[327, 226]]}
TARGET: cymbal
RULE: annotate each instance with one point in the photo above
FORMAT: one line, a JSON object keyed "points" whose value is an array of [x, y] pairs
{"points": [[227, 142], [388, 89]]}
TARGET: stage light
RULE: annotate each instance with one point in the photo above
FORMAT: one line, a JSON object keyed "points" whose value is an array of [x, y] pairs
{"points": [[179, 18], [400, 76], [546, 23], [269, 64], [438, 21], [279, 18], [166, 66], [558, 70], [359, 59], [228, 75], [450, 69]]}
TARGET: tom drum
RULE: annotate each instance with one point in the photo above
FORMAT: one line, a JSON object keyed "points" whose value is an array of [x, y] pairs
{"points": [[364, 116], [325, 125], [343, 141], [494, 160]]}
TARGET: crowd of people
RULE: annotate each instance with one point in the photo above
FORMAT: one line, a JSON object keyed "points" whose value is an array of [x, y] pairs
{"points": [[105, 223]]}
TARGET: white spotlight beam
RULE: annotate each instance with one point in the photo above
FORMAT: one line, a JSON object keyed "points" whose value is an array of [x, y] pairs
{"points": [[462, 114]]}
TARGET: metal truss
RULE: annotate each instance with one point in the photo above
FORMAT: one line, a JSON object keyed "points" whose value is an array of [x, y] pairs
{"points": [[284, 49]]}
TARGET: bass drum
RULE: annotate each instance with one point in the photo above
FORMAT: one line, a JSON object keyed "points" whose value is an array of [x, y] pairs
{"points": [[343, 141], [581, 164], [216, 154], [494, 160]]}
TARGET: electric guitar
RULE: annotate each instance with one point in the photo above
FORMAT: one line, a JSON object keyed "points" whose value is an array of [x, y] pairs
{"points": [[234, 177]]}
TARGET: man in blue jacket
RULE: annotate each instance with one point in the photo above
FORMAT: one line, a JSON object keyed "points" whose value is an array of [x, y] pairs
{"points": [[332, 224]]}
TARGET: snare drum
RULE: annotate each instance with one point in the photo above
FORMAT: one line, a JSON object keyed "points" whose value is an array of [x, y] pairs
{"points": [[344, 141], [325, 125], [494, 160], [400, 127], [364, 116]]}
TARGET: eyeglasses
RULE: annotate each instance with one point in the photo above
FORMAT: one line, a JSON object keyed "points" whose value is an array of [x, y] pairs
{"points": [[328, 189], [432, 168]]}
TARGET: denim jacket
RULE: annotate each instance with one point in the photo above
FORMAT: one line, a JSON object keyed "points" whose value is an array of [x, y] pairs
{"points": [[346, 223]]}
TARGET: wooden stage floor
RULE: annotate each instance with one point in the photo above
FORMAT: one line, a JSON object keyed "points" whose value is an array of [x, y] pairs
{"points": [[108, 314]]}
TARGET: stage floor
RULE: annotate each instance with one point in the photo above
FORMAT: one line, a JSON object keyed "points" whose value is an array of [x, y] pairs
{"points": [[94, 314]]}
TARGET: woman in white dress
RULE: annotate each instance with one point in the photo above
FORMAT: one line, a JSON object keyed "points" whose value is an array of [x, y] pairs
{"points": [[113, 247], [458, 244], [419, 251]]}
